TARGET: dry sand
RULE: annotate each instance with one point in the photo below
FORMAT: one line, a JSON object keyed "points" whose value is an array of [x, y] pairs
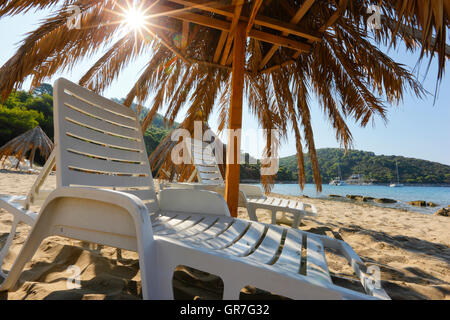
{"points": [[411, 249]]}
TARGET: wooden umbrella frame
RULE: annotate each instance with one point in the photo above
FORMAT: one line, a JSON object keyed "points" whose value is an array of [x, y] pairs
{"points": [[231, 50]]}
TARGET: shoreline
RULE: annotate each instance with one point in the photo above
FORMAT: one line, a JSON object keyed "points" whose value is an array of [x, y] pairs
{"points": [[356, 194], [443, 185], [346, 200], [399, 205]]}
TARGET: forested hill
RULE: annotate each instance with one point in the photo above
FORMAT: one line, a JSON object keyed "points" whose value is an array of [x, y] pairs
{"points": [[379, 168], [158, 122]]}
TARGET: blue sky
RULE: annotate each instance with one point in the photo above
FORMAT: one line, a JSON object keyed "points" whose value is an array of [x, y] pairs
{"points": [[416, 128]]}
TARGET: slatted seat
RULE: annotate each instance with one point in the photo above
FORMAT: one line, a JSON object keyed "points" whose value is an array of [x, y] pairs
{"points": [[272, 246], [182, 227], [291, 257]]}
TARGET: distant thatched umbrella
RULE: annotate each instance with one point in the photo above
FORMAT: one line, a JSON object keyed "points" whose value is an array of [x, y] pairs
{"points": [[30, 141]]}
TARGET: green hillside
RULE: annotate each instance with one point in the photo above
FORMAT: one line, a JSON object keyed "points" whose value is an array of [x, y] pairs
{"points": [[156, 132], [375, 168], [378, 168], [158, 122]]}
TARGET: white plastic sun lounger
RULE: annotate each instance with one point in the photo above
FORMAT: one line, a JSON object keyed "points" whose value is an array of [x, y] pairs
{"points": [[11, 163], [100, 147], [251, 197], [23, 166], [19, 206]]}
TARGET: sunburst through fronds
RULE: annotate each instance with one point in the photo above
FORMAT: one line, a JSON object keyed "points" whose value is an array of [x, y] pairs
{"points": [[134, 17]]}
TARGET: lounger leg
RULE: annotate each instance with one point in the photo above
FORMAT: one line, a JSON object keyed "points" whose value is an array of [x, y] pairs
{"points": [[297, 220], [164, 291], [231, 292], [8, 243], [162, 286], [252, 213], [274, 216], [31, 245], [152, 272]]}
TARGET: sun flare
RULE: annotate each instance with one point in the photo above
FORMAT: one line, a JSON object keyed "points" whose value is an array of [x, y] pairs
{"points": [[135, 19]]}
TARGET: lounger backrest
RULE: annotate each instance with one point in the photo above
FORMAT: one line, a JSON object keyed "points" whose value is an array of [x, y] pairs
{"points": [[99, 144], [202, 156]]}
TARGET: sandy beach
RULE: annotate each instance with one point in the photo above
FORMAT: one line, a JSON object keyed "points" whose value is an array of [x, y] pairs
{"points": [[411, 249]]}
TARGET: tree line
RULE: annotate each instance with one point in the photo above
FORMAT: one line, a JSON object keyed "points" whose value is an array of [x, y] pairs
{"points": [[374, 168]]}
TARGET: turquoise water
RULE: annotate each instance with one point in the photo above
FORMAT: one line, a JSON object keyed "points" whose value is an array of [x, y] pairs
{"points": [[438, 195]]}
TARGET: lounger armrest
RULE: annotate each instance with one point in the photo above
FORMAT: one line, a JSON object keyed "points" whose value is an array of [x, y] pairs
{"points": [[106, 217], [14, 205], [122, 199], [102, 216], [361, 271], [193, 201], [359, 267], [187, 185], [251, 191]]}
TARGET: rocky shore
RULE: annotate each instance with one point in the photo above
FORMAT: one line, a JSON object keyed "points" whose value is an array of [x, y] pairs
{"points": [[366, 199]]}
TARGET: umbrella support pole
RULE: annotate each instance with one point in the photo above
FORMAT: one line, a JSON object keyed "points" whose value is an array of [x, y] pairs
{"points": [[234, 134]]}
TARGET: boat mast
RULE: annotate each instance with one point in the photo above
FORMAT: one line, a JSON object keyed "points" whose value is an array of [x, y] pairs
{"points": [[398, 176]]}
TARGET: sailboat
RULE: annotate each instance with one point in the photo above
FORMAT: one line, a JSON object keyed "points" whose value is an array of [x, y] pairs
{"points": [[398, 184], [338, 180]]}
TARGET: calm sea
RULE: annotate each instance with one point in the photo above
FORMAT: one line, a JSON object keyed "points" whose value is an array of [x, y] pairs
{"points": [[438, 195]]}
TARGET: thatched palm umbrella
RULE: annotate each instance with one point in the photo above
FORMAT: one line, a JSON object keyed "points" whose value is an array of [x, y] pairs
{"points": [[28, 143], [277, 53]]}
